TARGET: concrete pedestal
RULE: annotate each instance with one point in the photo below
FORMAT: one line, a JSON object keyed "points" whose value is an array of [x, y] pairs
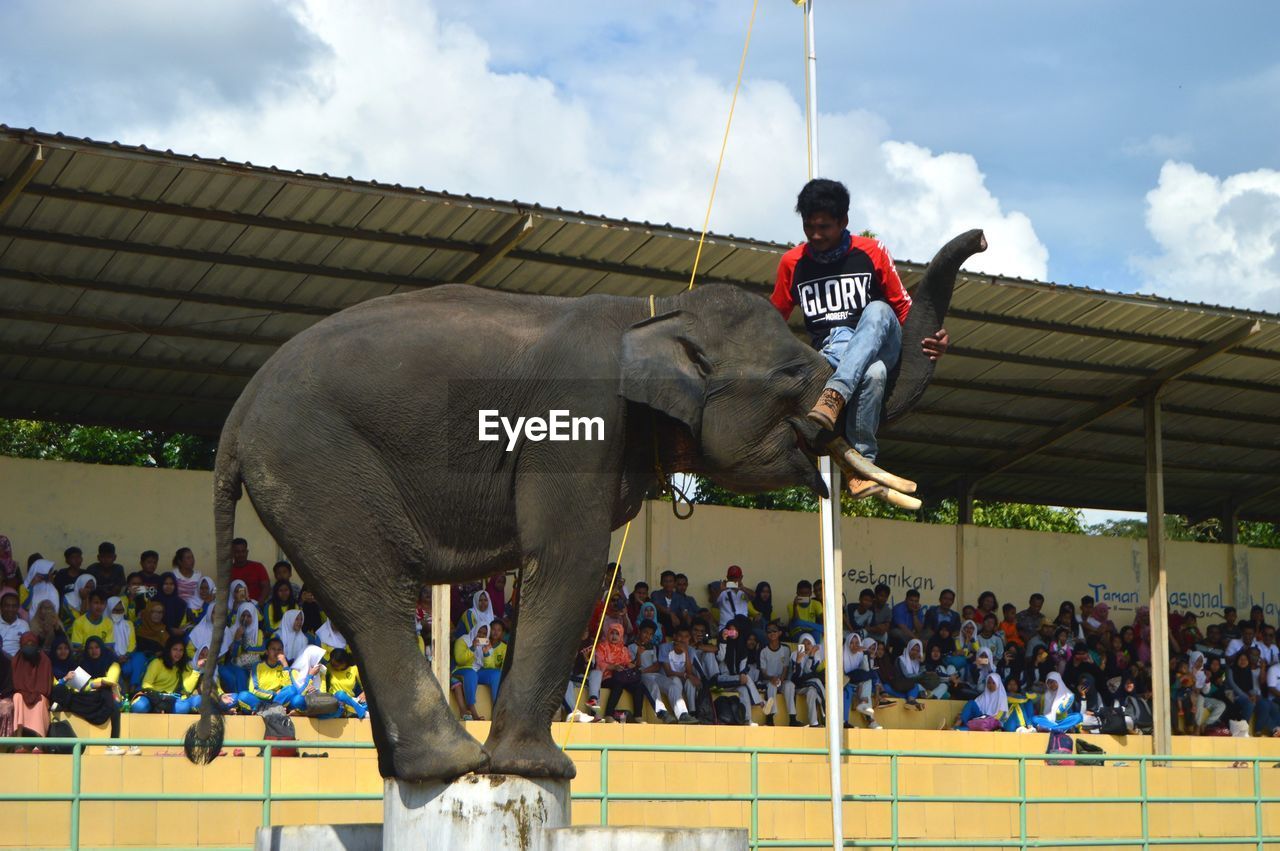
{"points": [[644, 839], [320, 837], [478, 812]]}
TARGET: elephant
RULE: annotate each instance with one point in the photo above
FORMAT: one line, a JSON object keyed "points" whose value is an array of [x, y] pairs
{"points": [[362, 444]]}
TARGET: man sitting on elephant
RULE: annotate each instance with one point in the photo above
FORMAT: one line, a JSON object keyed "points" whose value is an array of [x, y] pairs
{"points": [[854, 307]]}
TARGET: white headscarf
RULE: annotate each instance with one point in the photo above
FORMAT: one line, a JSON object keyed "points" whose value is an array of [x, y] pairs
{"points": [[852, 656], [477, 662], [196, 603], [985, 653], [329, 635], [74, 600], [43, 591], [122, 626], [231, 594], [816, 656], [1062, 697], [307, 659], [993, 702], [477, 616], [1197, 656], [201, 634], [250, 635], [909, 666], [964, 642], [291, 635]]}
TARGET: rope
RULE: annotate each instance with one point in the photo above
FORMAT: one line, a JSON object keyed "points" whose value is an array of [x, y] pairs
{"points": [[667, 486], [591, 657], [733, 102]]}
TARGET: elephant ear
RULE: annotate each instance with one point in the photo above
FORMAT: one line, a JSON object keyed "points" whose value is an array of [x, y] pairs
{"points": [[664, 367]]}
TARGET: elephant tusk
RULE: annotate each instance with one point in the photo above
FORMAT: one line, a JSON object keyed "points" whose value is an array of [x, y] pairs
{"points": [[855, 465]]}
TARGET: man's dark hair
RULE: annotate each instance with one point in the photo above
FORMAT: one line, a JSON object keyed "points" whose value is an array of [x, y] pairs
{"points": [[639, 585], [885, 588], [667, 573], [283, 563], [97, 595], [680, 576], [821, 195], [913, 593], [1037, 596], [72, 551], [946, 591], [239, 542], [866, 592], [1086, 600], [681, 629], [1229, 610], [804, 583], [146, 554]]}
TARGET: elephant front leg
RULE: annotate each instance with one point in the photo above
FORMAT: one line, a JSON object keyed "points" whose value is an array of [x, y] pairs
{"points": [[560, 586]]}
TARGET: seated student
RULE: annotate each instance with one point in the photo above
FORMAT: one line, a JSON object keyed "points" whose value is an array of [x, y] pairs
{"points": [[175, 607], [649, 612], [238, 593], [990, 637], [967, 646], [1089, 702], [858, 667], [615, 667], [123, 641], [292, 639], [32, 682], [680, 681], [734, 599], [860, 614], [1055, 707], [92, 621], [1206, 709], [474, 663], [11, 625], [903, 679], [775, 673], [940, 676], [645, 651], [480, 614], [807, 667], [307, 673], [150, 637], [270, 682], [330, 637], [737, 665], [98, 700], [312, 617], [244, 652], [760, 610], [990, 708], [804, 613], [76, 602], [41, 587], [62, 659], [1247, 701], [190, 697], [283, 572], [282, 602], [162, 683], [1011, 665], [1009, 627], [1020, 707], [342, 680]]}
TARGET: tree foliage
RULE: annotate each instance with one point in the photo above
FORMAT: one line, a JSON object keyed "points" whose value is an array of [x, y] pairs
{"points": [[1179, 528], [100, 445]]}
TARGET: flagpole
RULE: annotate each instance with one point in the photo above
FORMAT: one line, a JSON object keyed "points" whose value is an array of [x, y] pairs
{"points": [[832, 574]]}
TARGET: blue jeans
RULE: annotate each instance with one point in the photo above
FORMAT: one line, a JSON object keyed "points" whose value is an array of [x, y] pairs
{"points": [[470, 678], [862, 358], [1066, 725]]}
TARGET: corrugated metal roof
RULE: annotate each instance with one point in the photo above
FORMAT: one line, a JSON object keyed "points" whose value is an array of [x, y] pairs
{"points": [[143, 288]]}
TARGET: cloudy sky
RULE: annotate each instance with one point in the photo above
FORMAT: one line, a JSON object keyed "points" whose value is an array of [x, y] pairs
{"points": [[1123, 146]]}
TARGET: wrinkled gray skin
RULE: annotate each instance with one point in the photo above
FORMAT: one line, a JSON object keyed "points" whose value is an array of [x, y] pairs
{"points": [[357, 442]]}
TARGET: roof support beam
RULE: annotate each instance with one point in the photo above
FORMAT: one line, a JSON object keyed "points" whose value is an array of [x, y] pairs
{"points": [[9, 412], [16, 182], [88, 391], [129, 362], [1157, 578], [123, 327], [196, 296], [496, 250], [1147, 387]]}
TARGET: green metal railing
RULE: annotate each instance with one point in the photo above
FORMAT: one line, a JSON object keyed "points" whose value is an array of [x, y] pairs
{"points": [[1258, 839]]}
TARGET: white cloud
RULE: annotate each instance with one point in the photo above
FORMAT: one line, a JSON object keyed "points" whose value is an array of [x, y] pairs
{"points": [[1219, 239], [401, 94]]}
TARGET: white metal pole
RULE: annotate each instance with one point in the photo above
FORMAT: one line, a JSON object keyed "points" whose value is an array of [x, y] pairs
{"points": [[832, 579]]}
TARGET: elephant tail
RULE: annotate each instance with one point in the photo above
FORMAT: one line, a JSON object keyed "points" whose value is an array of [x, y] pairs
{"points": [[204, 738], [929, 304]]}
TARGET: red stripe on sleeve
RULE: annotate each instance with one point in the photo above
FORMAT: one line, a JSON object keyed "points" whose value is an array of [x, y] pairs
{"points": [[783, 297]]}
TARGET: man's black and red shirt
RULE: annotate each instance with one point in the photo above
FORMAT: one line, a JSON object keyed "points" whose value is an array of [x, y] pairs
{"points": [[834, 294]]}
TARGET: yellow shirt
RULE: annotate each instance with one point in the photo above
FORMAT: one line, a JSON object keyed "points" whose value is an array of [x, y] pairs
{"points": [[111, 676], [159, 678], [464, 657], [268, 679], [811, 613], [191, 683], [348, 681], [82, 629]]}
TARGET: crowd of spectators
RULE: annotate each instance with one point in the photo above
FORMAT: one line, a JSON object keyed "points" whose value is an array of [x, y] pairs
{"points": [[96, 641]]}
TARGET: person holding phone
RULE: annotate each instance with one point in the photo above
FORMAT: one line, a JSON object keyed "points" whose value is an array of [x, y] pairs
{"points": [[734, 596], [738, 665], [804, 613], [474, 663]]}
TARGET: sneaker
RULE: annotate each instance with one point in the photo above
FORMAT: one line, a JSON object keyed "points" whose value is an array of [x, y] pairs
{"points": [[134, 750], [795, 722], [663, 716], [37, 750], [752, 724], [113, 750], [669, 717], [827, 409], [593, 702], [688, 719], [874, 725]]}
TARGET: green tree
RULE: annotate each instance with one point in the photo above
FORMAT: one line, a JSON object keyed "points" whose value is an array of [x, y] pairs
{"points": [[100, 445]]}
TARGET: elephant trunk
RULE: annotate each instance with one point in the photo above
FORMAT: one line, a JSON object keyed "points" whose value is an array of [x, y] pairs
{"points": [[929, 304]]}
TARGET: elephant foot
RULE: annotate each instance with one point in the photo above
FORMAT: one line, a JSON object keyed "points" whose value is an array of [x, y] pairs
{"points": [[438, 759], [530, 758]]}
